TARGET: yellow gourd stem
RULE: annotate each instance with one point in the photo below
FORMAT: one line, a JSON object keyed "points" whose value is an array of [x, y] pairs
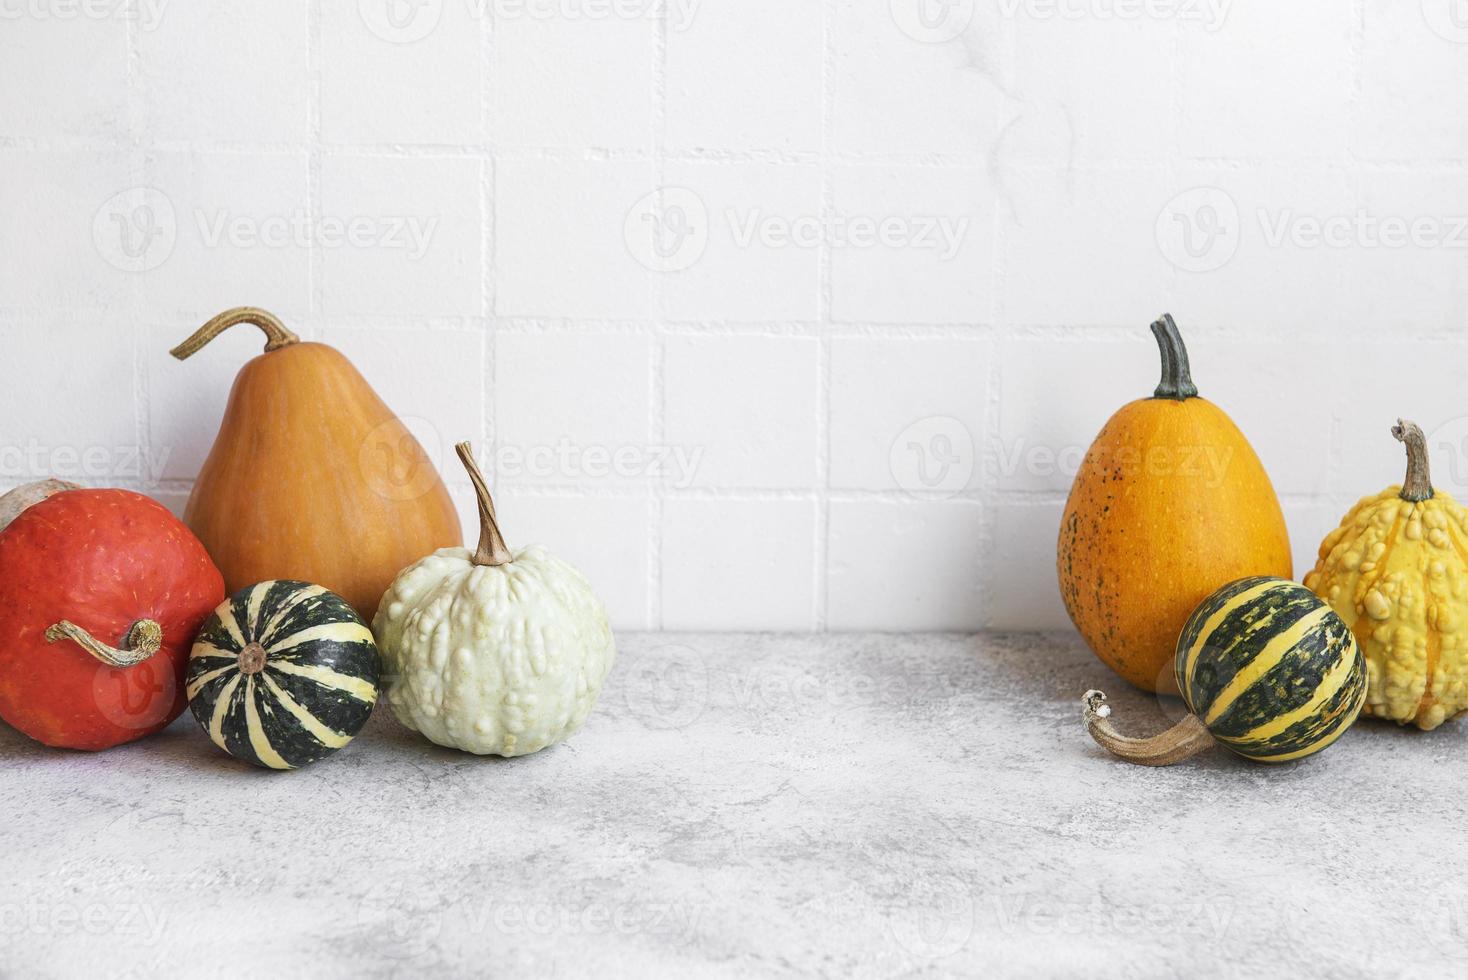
{"points": [[143, 640], [492, 547], [1417, 486], [276, 334], [1185, 739]]}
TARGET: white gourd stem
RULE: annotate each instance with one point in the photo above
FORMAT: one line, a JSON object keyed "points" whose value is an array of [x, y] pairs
{"points": [[1417, 486], [1185, 739], [276, 333], [492, 547], [143, 640]]}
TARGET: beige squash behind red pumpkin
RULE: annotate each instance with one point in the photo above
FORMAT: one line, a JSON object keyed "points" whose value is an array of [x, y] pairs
{"points": [[312, 477]]}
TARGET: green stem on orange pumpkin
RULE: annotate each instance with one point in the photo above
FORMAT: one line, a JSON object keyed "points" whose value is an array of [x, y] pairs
{"points": [[492, 547], [276, 333], [1177, 375], [1187, 738], [143, 640], [1417, 486]]}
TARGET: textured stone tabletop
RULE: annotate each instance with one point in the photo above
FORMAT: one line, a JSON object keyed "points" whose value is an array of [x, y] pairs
{"points": [[863, 806]]}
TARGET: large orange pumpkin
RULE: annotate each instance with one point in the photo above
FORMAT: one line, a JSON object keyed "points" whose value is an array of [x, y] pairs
{"points": [[312, 477], [1170, 504]]}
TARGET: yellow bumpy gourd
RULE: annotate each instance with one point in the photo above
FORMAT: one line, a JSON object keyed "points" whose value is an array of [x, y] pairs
{"points": [[1396, 571]]}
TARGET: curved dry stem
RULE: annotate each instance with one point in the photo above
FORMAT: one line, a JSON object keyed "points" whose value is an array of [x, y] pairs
{"points": [[492, 547], [1187, 738], [143, 640], [1417, 486], [276, 333]]}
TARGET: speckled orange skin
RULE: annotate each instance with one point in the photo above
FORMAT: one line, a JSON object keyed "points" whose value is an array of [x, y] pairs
{"points": [[1170, 503], [102, 559]]}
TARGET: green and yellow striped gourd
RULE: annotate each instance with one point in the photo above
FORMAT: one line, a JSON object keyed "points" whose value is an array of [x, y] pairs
{"points": [[1267, 669], [283, 674]]}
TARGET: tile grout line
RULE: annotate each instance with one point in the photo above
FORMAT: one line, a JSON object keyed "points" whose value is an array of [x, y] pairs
{"points": [[1335, 461], [985, 458], [917, 160], [657, 347], [488, 237], [137, 173], [820, 563], [638, 491], [316, 261]]}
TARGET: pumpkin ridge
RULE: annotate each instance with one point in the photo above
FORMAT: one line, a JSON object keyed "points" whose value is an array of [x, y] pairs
{"points": [[1203, 622], [1432, 641], [1263, 685], [1364, 587], [329, 678], [223, 701], [254, 606], [198, 684], [280, 596], [260, 742], [1244, 619], [313, 726], [345, 632], [1323, 707], [1310, 748]]}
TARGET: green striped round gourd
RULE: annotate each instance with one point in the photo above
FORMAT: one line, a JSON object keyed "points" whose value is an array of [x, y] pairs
{"points": [[283, 674], [1270, 670]]}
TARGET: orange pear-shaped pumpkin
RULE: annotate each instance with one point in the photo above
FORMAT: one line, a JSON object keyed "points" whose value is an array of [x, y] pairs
{"points": [[312, 477], [1170, 503]]}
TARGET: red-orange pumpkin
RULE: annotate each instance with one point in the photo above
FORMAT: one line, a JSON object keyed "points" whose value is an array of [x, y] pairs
{"points": [[101, 593]]}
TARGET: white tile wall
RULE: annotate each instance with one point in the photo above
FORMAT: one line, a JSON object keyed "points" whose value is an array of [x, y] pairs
{"points": [[768, 315]]}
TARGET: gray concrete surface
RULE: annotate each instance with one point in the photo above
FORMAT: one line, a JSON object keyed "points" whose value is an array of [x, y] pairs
{"points": [[750, 806]]}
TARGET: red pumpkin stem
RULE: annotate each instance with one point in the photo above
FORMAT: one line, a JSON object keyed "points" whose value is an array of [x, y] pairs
{"points": [[1183, 740], [1417, 486], [276, 334], [492, 547], [143, 640]]}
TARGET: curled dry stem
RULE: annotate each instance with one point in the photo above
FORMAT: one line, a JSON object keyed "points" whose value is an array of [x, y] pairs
{"points": [[1183, 740]]}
